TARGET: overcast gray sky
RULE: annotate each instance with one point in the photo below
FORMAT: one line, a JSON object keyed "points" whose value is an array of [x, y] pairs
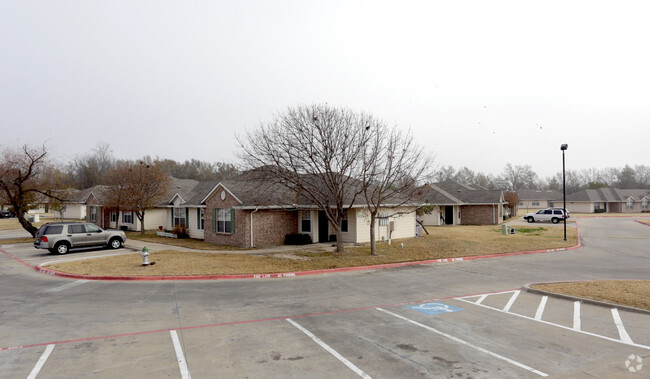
{"points": [[481, 83]]}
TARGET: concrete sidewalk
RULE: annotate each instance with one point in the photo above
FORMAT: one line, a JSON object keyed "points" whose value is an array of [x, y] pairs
{"points": [[14, 233]]}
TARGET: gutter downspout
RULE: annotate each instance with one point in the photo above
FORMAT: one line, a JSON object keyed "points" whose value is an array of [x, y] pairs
{"points": [[256, 209]]}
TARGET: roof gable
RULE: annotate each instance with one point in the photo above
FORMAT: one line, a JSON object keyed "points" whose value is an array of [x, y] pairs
{"points": [[215, 190]]}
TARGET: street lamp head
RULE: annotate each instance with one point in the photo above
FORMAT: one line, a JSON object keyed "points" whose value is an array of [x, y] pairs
{"points": [[564, 146]]}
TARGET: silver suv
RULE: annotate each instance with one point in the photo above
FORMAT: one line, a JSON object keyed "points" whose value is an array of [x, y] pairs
{"points": [[553, 215], [60, 237]]}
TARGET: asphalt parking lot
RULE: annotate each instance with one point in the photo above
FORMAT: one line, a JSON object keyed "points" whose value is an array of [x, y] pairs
{"points": [[461, 319]]}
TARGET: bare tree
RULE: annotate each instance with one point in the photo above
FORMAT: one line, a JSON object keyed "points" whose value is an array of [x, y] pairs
{"points": [[519, 177], [316, 151], [89, 170], [137, 187], [465, 176], [27, 178], [393, 165], [643, 175], [445, 173]]}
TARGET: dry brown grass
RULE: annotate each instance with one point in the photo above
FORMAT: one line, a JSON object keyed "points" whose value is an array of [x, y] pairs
{"points": [[631, 293], [644, 222], [12, 223], [444, 242]]}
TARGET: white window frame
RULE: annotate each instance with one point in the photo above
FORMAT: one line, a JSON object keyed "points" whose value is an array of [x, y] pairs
{"points": [[345, 223], [93, 214], [201, 220], [383, 219], [127, 218], [629, 204], [305, 219], [224, 221], [179, 217], [113, 216]]}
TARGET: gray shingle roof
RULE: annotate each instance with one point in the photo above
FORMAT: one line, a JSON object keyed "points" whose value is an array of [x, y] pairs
{"points": [[608, 195], [535, 194], [450, 192]]}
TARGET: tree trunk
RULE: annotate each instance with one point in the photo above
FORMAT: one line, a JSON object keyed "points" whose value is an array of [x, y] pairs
{"points": [[141, 217], [339, 242], [373, 239], [26, 224]]}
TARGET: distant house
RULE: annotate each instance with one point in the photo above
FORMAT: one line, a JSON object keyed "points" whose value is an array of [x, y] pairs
{"points": [[162, 215], [612, 200], [459, 204], [74, 207], [538, 199]]}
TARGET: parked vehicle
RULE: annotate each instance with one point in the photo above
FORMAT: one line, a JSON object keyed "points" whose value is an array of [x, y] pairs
{"points": [[553, 215], [60, 237], [568, 214], [6, 214]]}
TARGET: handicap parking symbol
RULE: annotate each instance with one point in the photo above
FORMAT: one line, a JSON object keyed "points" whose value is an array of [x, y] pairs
{"points": [[434, 308]]}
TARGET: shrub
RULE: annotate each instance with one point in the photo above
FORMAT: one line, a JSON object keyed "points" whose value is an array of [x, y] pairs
{"points": [[297, 239], [180, 231]]}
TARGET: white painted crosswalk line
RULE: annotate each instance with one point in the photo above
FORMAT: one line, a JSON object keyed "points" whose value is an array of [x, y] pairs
{"points": [[540, 308], [621, 329], [511, 301], [576, 316]]}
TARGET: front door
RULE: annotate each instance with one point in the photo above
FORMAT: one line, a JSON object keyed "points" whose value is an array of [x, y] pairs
{"points": [[449, 215], [323, 227]]}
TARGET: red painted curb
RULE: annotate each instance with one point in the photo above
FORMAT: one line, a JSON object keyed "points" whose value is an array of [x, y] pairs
{"points": [[60, 274]]}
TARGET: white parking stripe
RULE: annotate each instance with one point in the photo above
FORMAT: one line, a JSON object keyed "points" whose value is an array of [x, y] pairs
{"points": [[540, 309], [66, 286], [463, 342], [41, 361], [182, 364], [576, 316], [511, 301], [341, 358], [621, 329], [480, 299]]}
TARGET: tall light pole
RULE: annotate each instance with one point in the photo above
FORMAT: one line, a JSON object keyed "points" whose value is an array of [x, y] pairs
{"points": [[563, 148]]}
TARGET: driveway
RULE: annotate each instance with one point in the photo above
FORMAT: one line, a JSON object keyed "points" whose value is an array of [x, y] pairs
{"points": [[458, 319]]}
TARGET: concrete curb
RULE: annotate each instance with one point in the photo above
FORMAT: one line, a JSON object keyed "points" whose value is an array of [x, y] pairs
{"points": [[528, 288], [56, 273]]}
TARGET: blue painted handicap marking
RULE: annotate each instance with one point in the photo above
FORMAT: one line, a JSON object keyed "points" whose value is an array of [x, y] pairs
{"points": [[434, 308]]}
